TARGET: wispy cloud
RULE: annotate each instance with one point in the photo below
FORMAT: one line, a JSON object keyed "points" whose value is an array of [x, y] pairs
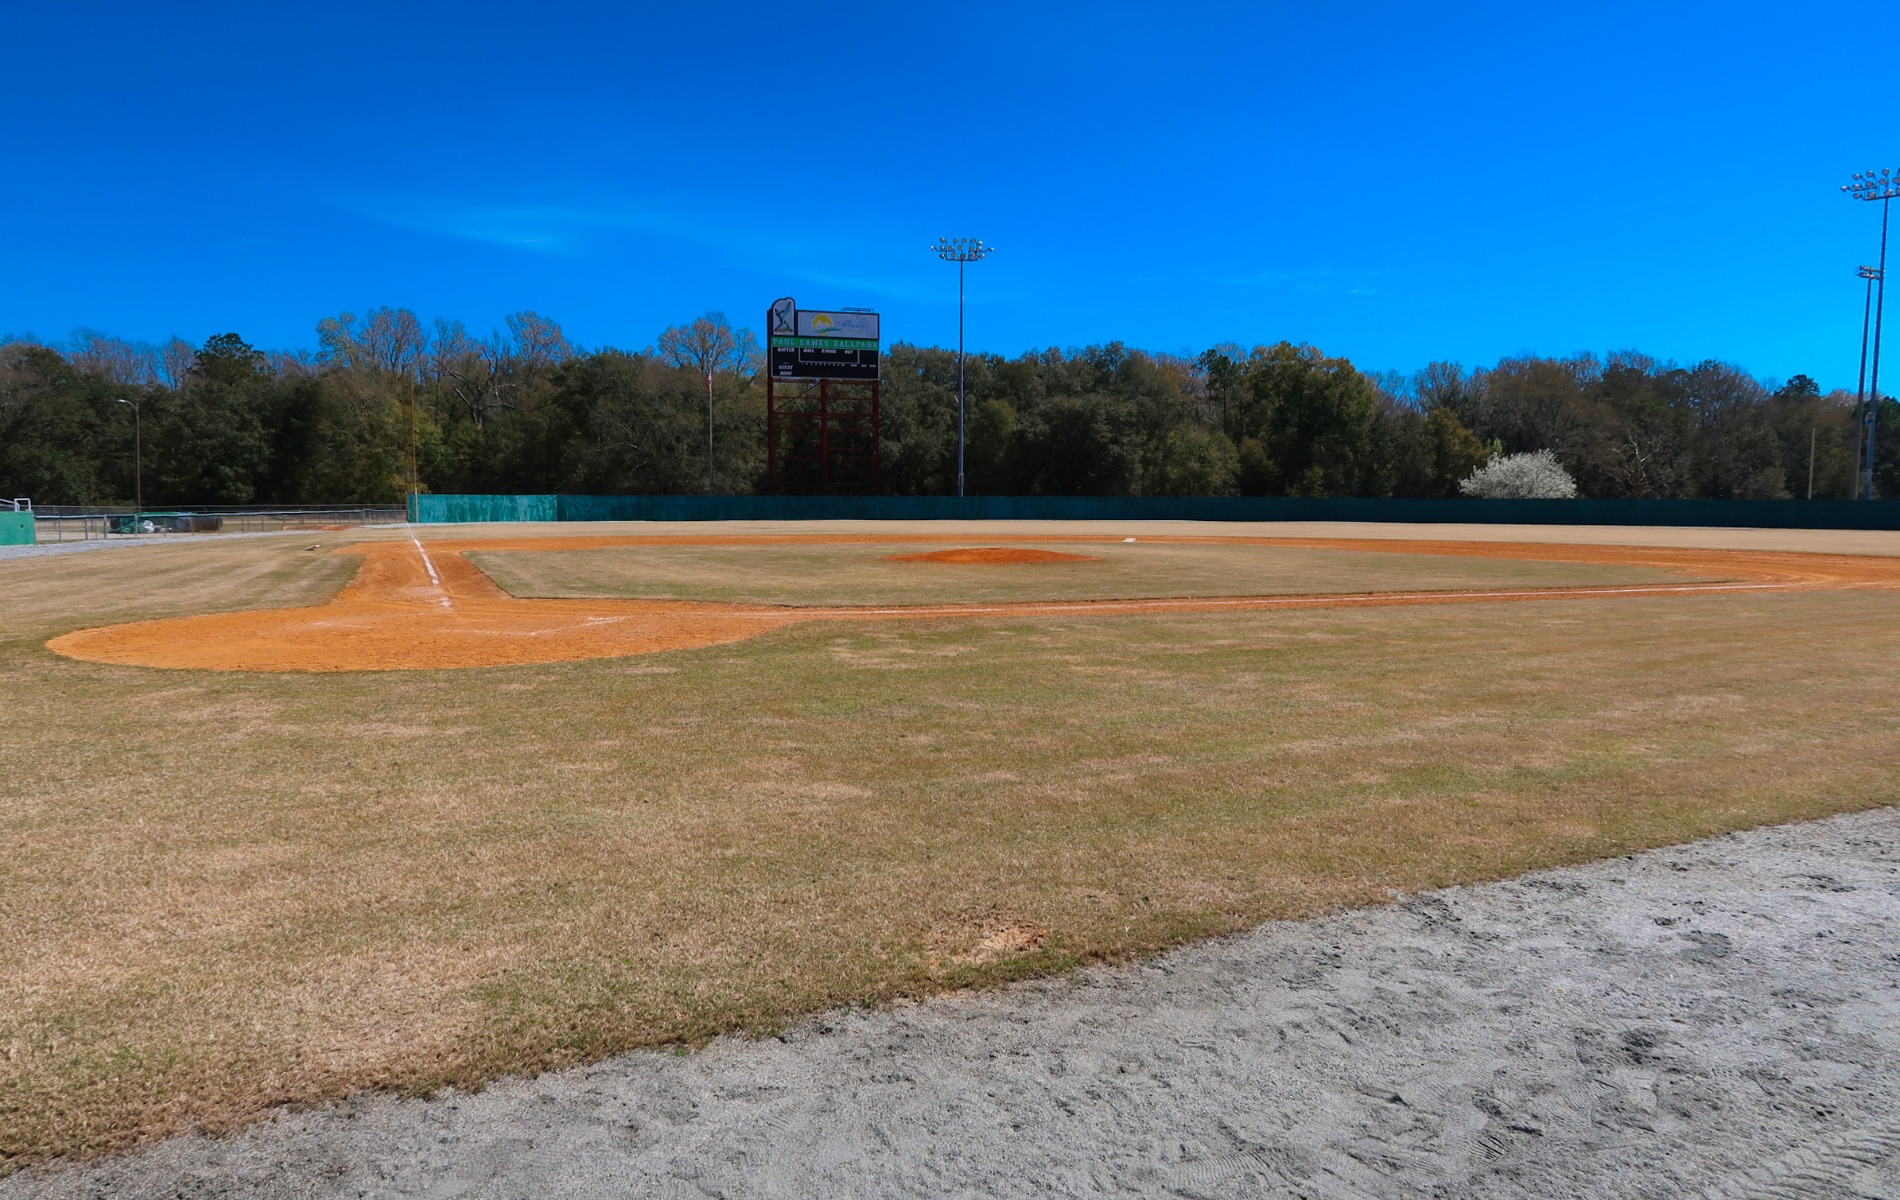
{"points": [[847, 255], [1312, 279], [538, 228]]}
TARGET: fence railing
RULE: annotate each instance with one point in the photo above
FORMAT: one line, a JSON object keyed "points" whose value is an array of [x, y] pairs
{"points": [[71, 523]]}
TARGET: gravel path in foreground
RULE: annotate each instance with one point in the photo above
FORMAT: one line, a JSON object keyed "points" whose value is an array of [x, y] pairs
{"points": [[1716, 1019]]}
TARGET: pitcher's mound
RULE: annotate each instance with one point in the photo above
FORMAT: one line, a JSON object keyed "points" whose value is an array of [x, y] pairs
{"points": [[992, 556]]}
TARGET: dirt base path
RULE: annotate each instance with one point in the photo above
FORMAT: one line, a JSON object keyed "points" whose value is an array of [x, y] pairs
{"points": [[419, 606], [1713, 1020]]}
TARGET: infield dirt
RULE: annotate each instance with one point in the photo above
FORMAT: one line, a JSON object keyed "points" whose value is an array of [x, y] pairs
{"points": [[409, 609]]}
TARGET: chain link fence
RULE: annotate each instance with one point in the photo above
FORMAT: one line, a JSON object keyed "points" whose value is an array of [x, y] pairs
{"points": [[68, 523]]}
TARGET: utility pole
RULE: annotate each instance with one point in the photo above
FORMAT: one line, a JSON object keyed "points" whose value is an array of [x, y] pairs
{"points": [[415, 439], [138, 457], [709, 433], [1883, 186], [960, 251]]}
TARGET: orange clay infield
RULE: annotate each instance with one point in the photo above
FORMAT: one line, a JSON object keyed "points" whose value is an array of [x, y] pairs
{"points": [[417, 606]]}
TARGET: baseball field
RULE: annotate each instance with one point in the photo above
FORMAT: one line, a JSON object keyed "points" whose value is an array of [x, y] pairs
{"points": [[292, 816]]}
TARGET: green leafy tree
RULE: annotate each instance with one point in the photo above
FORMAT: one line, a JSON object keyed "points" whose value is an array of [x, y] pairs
{"points": [[920, 416], [211, 443], [1223, 374], [1255, 473], [1887, 450], [1734, 453], [1456, 451], [525, 410], [991, 448], [641, 424], [1534, 404], [1198, 461], [64, 438], [1312, 416], [1816, 436]]}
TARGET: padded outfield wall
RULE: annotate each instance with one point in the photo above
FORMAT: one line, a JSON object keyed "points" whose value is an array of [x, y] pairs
{"points": [[1754, 514]]}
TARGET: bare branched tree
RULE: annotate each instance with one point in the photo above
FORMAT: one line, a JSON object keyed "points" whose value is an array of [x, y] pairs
{"points": [[135, 364], [393, 340], [336, 339], [300, 363], [1636, 462], [710, 345], [539, 343], [390, 340], [468, 370], [174, 361]]}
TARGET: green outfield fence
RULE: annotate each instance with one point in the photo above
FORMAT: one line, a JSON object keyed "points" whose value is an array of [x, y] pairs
{"points": [[1759, 514]]}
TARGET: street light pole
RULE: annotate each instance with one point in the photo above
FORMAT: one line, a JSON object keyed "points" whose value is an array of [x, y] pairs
{"points": [[1883, 186], [138, 455], [960, 251]]}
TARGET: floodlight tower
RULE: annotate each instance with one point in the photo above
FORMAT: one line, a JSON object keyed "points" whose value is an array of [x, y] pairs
{"points": [[960, 251], [1870, 274], [1883, 186]]}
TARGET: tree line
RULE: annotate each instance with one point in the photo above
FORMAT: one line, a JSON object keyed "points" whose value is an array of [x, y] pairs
{"points": [[383, 399]]}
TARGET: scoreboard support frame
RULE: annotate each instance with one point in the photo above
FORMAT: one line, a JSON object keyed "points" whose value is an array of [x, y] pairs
{"points": [[832, 425]]}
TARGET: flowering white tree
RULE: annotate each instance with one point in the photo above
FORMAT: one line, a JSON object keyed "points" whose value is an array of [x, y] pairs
{"points": [[1534, 476]]}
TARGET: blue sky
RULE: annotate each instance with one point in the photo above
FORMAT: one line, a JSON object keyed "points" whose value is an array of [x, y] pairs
{"points": [[1394, 183]]}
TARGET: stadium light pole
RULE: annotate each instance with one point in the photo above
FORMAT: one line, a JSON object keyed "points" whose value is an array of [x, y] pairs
{"points": [[138, 456], [1882, 185], [1860, 381], [960, 251]]}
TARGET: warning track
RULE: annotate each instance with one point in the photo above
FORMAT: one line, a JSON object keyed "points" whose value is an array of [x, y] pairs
{"points": [[417, 606]]}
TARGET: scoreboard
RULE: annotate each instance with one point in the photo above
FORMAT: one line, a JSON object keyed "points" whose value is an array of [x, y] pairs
{"points": [[809, 344]]}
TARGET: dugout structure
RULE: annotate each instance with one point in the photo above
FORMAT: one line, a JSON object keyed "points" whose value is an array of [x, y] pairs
{"points": [[822, 431]]}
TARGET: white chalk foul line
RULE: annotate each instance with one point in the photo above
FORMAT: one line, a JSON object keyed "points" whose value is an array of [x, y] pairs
{"points": [[430, 566]]}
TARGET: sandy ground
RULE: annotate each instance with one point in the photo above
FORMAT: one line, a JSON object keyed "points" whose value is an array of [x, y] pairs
{"points": [[1720, 1019]]}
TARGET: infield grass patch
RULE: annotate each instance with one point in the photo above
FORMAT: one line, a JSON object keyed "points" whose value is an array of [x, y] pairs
{"points": [[844, 574], [227, 891]]}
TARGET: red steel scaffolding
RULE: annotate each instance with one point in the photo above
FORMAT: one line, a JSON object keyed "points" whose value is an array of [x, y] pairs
{"points": [[822, 436]]}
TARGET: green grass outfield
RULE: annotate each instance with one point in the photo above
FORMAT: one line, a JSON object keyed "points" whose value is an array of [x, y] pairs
{"points": [[227, 891]]}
